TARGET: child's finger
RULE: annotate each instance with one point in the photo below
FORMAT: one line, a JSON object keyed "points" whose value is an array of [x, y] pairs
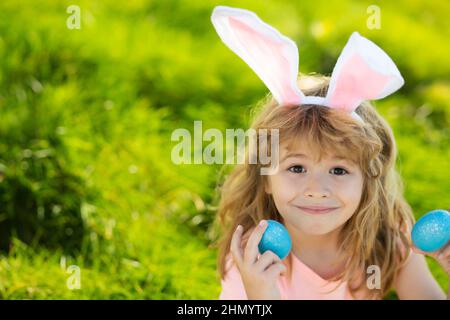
{"points": [[276, 269], [251, 250], [235, 246], [433, 254], [444, 252], [245, 237], [417, 250], [266, 259]]}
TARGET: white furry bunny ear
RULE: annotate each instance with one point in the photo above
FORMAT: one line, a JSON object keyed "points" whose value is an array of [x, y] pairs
{"points": [[271, 55], [363, 72]]}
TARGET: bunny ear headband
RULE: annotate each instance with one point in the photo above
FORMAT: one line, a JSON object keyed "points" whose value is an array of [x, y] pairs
{"points": [[363, 71]]}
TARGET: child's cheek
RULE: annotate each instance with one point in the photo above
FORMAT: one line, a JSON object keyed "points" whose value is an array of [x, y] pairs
{"points": [[352, 191], [285, 186], [289, 182]]}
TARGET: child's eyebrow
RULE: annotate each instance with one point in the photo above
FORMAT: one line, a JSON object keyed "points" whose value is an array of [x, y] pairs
{"points": [[301, 155]]}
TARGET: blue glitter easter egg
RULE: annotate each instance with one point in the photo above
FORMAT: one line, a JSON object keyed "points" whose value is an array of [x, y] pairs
{"points": [[432, 231], [276, 239]]}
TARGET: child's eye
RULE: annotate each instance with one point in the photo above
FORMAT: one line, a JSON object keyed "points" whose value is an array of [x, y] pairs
{"points": [[339, 171], [296, 169]]}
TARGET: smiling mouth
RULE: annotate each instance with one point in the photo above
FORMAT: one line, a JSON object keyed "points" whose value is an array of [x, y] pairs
{"points": [[316, 210]]}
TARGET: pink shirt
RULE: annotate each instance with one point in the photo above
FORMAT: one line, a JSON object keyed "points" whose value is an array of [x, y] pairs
{"points": [[305, 285]]}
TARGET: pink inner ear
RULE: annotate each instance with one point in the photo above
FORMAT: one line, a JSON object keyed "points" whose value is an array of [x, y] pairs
{"points": [[268, 57], [356, 82]]}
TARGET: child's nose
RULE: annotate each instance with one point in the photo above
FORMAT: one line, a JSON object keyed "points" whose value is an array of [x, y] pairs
{"points": [[317, 187]]}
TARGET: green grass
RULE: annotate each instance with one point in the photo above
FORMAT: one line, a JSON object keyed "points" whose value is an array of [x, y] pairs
{"points": [[157, 260]]}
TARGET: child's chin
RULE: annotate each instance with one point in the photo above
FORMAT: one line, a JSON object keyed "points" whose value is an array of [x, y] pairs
{"points": [[308, 227], [317, 230]]}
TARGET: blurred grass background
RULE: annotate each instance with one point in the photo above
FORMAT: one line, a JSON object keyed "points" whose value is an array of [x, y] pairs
{"points": [[86, 117]]}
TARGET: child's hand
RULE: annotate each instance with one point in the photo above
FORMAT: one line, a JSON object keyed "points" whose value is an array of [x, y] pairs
{"points": [[258, 275], [442, 256]]}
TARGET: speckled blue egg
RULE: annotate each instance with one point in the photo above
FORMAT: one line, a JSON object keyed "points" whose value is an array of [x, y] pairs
{"points": [[432, 231], [276, 239]]}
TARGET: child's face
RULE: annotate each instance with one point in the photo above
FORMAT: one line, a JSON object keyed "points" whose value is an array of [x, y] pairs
{"points": [[301, 182]]}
